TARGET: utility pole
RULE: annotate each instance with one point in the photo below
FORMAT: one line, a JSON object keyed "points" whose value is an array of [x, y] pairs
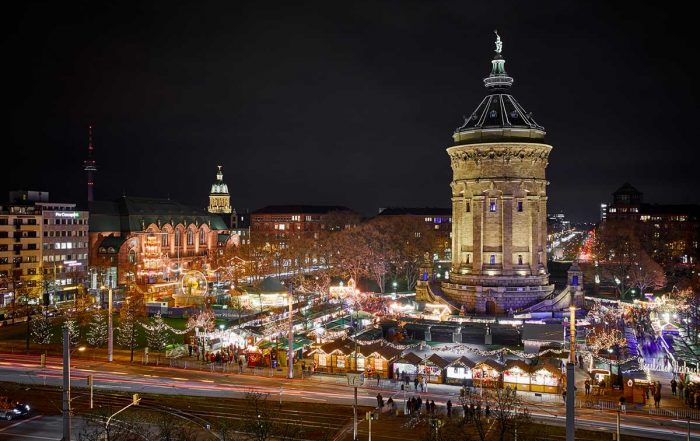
{"points": [[570, 378], [66, 384], [354, 406], [110, 331], [91, 382], [290, 336]]}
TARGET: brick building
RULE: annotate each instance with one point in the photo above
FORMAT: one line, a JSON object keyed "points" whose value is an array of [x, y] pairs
{"points": [[438, 219]]}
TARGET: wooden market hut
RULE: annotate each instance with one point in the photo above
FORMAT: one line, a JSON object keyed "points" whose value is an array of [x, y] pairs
{"points": [[333, 357], [516, 374], [545, 378], [433, 368], [459, 371], [487, 373], [407, 364], [377, 358]]}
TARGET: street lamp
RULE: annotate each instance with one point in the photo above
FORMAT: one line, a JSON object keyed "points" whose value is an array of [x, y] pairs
{"points": [[66, 382]]}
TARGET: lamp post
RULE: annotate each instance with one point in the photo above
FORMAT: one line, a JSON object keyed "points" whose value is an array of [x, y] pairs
{"points": [[110, 330], [290, 337], [571, 378], [66, 383]]}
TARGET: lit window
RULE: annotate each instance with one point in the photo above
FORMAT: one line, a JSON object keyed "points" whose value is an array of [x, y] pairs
{"points": [[492, 259], [520, 206], [520, 259], [492, 206]]}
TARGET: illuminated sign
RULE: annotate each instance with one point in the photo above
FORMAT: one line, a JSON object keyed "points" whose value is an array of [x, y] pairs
{"points": [[72, 214]]}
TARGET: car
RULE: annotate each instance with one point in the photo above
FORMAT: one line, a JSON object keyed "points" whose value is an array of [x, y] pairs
{"points": [[19, 411]]}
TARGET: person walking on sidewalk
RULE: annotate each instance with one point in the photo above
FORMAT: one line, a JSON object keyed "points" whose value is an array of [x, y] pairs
{"points": [[587, 386], [674, 383], [415, 383], [449, 408], [657, 398]]}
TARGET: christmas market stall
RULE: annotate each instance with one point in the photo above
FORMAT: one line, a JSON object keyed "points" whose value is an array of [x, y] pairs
{"points": [[459, 371], [378, 358], [517, 375], [332, 357], [408, 365], [433, 368], [545, 378], [487, 373]]}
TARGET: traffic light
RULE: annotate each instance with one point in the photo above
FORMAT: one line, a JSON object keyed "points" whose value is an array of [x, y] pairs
{"points": [[136, 399]]}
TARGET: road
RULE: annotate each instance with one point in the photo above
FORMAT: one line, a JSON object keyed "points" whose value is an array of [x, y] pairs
{"points": [[175, 381]]}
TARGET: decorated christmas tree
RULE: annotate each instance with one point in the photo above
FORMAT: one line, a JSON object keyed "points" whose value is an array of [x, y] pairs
{"points": [[41, 330], [157, 333], [97, 332], [73, 331], [128, 329]]}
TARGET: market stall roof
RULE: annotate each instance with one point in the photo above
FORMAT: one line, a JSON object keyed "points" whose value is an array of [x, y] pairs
{"points": [[343, 345], [493, 364], [299, 342], [462, 361], [513, 363], [410, 358], [545, 333], [438, 361], [383, 350], [548, 367]]}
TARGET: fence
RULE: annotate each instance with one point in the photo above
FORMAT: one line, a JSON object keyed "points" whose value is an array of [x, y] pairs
{"points": [[683, 413]]}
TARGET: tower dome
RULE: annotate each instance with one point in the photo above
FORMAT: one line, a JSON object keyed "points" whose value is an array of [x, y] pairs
{"points": [[219, 199], [498, 117]]}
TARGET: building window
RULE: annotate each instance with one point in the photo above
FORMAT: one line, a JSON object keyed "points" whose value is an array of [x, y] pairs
{"points": [[492, 205], [190, 237], [469, 207], [202, 237], [177, 238], [164, 240], [520, 259], [520, 206], [492, 259], [469, 258]]}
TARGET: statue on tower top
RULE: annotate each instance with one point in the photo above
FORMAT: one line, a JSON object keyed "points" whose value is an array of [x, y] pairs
{"points": [[499, 43]]}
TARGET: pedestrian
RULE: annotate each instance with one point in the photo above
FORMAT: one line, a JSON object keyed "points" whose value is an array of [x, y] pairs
{"points": [[623, 408], [390, 403], [419, 403], [587, 386], [680, 389], [488, 411], [240, 366], [432, 407], [449, 408], [674, 383], [425, 385], [415, 383], [657, 398], [380, 401]]}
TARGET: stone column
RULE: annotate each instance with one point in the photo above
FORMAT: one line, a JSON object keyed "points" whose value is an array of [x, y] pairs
{"points": [[507, 235], [478, 232], [534, 232], [457, 216], [428, 336]]}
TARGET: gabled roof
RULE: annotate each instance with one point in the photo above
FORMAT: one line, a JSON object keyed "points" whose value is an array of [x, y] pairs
{"points": [[463, 361], [493, 364], [410, 358], [548, 367], [342, 345], [437, 361], [519, 364]]}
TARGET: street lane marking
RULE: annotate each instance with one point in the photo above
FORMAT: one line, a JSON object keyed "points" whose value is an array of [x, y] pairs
{"points": [[20, 422]]}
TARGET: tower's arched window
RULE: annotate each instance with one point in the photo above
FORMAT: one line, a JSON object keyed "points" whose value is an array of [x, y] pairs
{"points": [[164, 239], [520, 259], [178, 239], [492, 260], [190, 237], [202, 236]]}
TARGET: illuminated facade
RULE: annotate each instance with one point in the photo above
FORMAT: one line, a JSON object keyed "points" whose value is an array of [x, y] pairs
{"points": [[151, 241], [499, 204], [219, 198]]}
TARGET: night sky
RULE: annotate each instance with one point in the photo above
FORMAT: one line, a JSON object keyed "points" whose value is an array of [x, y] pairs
{"points": [[342, 103]]}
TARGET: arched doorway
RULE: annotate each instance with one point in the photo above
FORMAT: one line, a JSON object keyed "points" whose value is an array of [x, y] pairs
{"points": [[490, 307]]}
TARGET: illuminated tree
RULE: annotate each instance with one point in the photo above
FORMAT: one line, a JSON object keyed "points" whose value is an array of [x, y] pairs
{"points": [[603, 338], [647, 274], [129, 326], [73, 330], [97, 332], [41, 330], [157, 333]]}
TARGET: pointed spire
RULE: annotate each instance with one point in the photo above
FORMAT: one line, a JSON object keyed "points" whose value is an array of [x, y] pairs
{"points": [[498, 79], [90, 166]]}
